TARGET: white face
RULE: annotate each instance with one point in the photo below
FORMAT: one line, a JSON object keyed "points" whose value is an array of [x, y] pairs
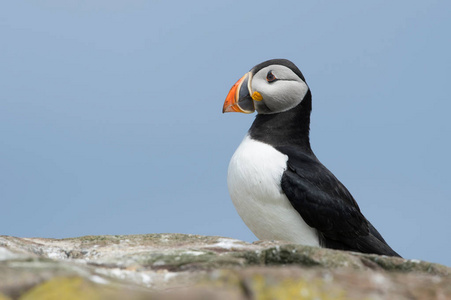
{"points": [[280, 94]]}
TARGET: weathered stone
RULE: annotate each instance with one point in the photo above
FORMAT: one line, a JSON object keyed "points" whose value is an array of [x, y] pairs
{"points": [[209, 267]]}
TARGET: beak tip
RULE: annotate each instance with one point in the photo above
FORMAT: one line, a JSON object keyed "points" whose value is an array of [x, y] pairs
{"points": [[227, 108]]}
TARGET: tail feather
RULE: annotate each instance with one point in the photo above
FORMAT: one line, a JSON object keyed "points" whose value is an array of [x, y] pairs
{"points": [[373, 243]]}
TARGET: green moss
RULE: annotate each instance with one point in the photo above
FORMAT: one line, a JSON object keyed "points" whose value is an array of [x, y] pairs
{"points": [[289, 254], [401, 265], [250, 257], [100, 240]]}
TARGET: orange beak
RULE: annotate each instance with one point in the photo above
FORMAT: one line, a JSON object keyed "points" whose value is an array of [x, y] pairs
{"points": [[239, 99]]}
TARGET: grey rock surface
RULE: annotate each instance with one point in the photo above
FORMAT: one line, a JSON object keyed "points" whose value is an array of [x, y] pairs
{"points": [[210, 267]]}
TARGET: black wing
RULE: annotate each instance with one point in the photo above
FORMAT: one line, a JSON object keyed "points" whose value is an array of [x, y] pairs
{"points": [[326, 205]]}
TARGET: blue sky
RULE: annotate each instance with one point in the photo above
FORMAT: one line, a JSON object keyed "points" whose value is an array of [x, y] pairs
{"points": [[110, 112]]}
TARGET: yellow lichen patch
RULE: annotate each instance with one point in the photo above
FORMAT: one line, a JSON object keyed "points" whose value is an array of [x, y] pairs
{"points": [[297, 289], [69, 288], [3, 297]]}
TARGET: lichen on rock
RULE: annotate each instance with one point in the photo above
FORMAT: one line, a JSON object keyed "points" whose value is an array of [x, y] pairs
{"points": [[211, 267]]}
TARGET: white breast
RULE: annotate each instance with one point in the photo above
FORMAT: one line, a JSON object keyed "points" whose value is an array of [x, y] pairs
{"points": [[254, 176]]}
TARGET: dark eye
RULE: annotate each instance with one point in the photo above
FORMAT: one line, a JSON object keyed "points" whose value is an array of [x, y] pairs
{"points": [[270, 77]]}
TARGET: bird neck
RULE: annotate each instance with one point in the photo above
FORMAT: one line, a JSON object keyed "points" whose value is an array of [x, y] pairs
{"points": [[288, 128]]}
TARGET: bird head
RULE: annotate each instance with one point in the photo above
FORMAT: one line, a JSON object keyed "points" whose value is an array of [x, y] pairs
{"points": [[272, 86]]}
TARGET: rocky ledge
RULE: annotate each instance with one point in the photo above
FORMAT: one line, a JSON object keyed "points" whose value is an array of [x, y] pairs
{"points": [[183, 266]]}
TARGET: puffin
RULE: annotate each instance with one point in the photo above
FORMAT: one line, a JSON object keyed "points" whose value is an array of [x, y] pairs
{"points": [[278, 186]]}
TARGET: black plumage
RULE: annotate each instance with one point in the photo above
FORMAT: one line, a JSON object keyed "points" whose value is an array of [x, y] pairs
{"points": [[317, 195]]}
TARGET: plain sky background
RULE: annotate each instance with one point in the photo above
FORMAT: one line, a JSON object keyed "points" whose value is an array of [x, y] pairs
{"points": [[111, 123]]}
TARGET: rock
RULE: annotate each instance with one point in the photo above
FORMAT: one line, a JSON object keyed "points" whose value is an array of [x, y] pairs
{"points": [[175, 266]]}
